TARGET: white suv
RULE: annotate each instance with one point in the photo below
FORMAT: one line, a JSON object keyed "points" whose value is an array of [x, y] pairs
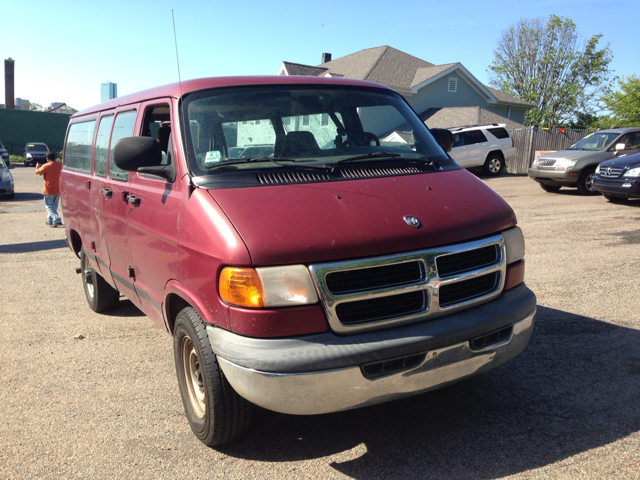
{"points": [[486, 146]]}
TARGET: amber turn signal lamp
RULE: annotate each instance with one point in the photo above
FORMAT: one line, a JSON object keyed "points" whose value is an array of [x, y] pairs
{"points": [[240, 286]]}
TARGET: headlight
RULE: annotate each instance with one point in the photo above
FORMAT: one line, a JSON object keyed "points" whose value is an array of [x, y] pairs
{"points": [[634, 172], [514, 244], [598, 169], [565, 164], [29, 156], [6, 177], [267, 286]]}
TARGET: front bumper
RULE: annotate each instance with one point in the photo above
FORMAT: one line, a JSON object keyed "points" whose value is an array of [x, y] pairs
{"points": [[326, 373], [617, 187], [561, 178]]}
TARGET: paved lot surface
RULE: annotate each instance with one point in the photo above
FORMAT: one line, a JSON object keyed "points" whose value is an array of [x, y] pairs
{"points": [[108, 406]]}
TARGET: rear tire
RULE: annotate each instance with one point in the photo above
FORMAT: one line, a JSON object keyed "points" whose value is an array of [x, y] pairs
{"points": [[493, 165], [216, 413], [550, 188], [100, 295], [585, 182]]}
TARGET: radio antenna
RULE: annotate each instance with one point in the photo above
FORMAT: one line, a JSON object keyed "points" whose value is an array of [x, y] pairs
{"points": [[175, 41]]}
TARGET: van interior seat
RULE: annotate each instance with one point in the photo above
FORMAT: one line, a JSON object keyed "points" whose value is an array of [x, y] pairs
{"points": [[163, 137], [298, 143]]}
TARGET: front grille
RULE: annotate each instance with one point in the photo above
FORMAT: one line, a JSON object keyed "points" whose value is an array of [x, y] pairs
{"points": [[546, 162], [372, 293], [456, 263], [374, 278], [376, 309], [610, 172], [453, 293]]}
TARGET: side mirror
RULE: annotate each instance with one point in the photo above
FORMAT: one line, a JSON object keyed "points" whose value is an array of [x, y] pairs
{"points": [[620, 146], [443, 137], [143, 155]]}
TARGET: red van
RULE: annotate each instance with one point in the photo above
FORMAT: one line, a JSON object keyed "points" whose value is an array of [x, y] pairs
{"points": [[351, 262]]}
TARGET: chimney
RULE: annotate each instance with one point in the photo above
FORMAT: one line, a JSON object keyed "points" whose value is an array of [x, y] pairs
{"points": [[9, 91], [326, 57]]}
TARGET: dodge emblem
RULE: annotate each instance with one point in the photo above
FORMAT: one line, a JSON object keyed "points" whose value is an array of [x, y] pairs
{"points": [[412, 221]]}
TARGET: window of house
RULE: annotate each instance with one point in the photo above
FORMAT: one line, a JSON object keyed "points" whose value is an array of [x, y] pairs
{"points": [[453, 84]]}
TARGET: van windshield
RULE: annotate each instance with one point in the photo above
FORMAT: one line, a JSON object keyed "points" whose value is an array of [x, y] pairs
{"points": [[259, 127]]}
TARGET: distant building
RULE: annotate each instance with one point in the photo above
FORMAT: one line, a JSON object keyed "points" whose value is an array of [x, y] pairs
{"points": [[9, 65], [55, 105], [22, 104], [61, 108], [108, 90]]}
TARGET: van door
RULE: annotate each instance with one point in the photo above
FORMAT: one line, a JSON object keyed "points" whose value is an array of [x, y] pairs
{"points": [[153, 215], [114, 209], [100, 150]]}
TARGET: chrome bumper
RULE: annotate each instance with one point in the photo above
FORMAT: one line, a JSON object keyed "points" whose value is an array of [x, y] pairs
{"points": [[310, 393]]}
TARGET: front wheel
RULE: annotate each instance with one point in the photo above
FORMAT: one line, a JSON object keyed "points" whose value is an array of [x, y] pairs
{"points": [[216, 413], [585, 182], [493, 165], [100, 295]]}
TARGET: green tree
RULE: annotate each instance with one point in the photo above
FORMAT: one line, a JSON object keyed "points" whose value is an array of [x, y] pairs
{"points": [[624, 104], [544, 63], [35, 107]]}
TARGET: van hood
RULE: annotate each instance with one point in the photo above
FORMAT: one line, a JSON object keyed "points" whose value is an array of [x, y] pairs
{"points": [[319, 222]]}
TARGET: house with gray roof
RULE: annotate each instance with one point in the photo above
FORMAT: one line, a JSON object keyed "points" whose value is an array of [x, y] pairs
{"points": [[443, 95]]}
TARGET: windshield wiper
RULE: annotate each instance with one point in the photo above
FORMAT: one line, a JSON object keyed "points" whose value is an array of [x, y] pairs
{"points": [[251, 160], [370, 155]]}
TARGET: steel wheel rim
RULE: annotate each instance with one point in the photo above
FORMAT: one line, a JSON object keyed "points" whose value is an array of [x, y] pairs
{"points": [[494, 165], [87, 276], [193, 377]]}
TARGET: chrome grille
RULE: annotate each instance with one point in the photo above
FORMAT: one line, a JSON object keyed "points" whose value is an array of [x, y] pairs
{"points": [[546, 162], [368, 294], [610, 172]]}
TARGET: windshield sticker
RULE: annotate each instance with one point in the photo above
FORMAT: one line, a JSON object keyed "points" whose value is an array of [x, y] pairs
{"points": [[31, 145], [587, 136], [212, 157]]}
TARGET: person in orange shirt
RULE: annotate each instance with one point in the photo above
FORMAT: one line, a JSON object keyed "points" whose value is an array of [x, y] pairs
{"points": [[50, 172]]}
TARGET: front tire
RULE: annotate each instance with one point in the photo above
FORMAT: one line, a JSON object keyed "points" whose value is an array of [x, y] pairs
{"points": [[585, 182], [216, 413], [100, 295], [493, 165]]}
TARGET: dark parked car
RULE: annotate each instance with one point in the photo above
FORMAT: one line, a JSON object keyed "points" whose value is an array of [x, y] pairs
{"points": [[4, 155], [35, 153], [619, 179], [6, 181]]}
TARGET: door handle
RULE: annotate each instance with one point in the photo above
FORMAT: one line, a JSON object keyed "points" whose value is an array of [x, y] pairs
{"points": [[106, 192], [133, 200], [87, 184]]}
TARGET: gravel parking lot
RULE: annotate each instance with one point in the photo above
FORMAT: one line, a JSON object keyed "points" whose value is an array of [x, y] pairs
{"points": [[108, 406]]}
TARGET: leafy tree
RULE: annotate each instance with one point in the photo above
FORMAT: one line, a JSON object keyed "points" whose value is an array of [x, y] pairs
{"points": [[624, 104], [35, 107], [544, 63]]}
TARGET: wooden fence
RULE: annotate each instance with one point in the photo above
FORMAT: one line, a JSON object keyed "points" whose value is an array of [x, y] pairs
{"points": [[529, 140]]}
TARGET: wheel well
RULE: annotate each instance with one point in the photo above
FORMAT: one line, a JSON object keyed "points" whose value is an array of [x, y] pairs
{"points": [[175, 304], [497, 153], [76, 242]]}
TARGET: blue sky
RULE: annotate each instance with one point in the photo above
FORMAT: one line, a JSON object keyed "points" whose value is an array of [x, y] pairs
{"points": [[64, 49]]}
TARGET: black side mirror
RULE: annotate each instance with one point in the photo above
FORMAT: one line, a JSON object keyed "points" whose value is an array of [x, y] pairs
{"points": [[443, 137], [143, 155]]}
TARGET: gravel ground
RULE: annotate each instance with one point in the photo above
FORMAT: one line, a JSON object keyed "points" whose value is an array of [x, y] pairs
{"points": [[107, 405]]}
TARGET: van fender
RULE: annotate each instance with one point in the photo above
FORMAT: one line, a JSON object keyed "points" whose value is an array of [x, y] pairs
{"points": [[172, 305]]}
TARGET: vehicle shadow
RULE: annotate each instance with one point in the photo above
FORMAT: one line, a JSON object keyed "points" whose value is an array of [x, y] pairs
{"points": [[574, 388], [27, 196], [33, 246]]}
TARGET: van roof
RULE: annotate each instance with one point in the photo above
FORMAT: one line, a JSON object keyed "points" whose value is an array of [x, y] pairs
{"points": [[174, 89]]}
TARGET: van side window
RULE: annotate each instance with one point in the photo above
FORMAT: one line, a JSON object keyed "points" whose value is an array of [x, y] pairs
{"points": [[122, 128], [157, 124], [102, 146], [77, 154]]}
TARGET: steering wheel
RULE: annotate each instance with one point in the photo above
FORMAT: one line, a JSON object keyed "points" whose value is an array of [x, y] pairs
{"points": [[360, 139]]}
